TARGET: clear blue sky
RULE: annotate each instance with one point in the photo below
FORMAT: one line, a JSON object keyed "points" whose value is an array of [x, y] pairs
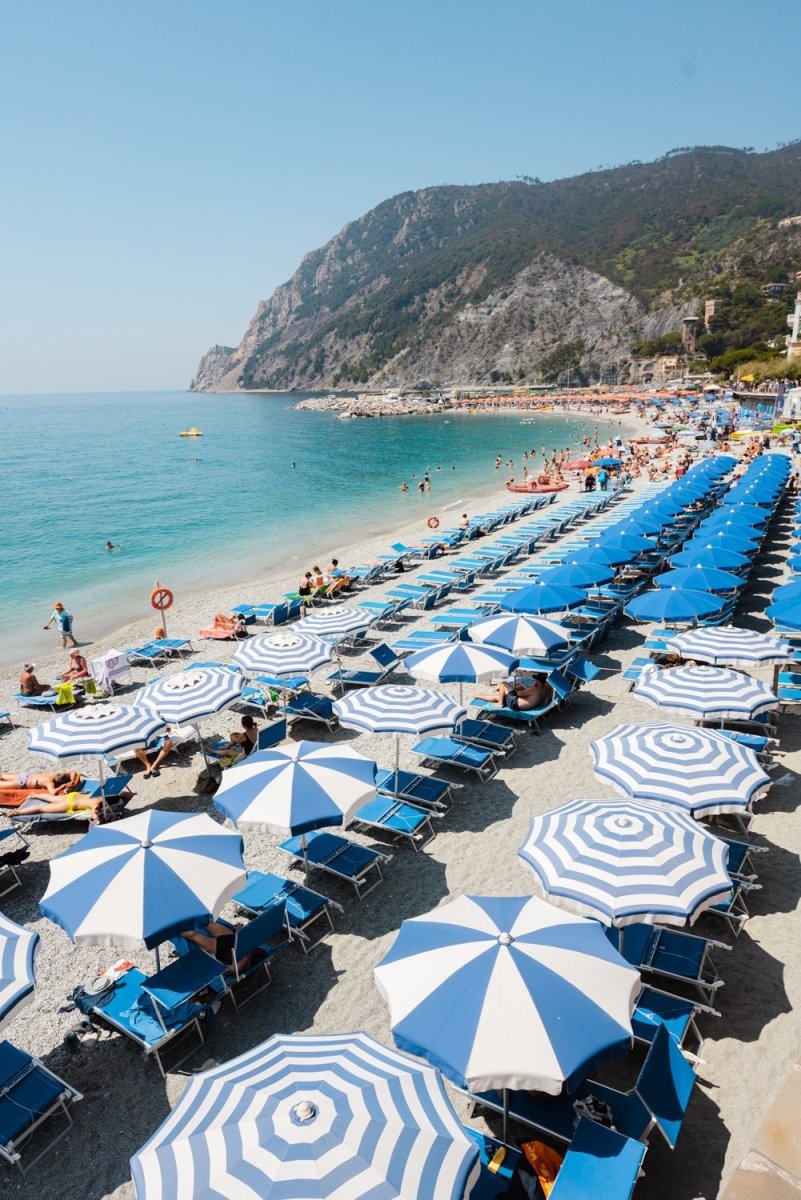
{"points": [[166, 163]]}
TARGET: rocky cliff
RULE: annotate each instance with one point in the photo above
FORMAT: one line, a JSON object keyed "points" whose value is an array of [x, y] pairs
{"points": [[461, 284]]}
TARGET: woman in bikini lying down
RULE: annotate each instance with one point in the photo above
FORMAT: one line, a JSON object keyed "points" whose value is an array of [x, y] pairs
{"points": [[53, 782]]}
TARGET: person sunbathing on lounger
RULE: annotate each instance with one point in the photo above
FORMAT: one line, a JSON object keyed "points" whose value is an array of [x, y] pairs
{"points": [[521, 696], [218, 940], [71, 803], [53, 782], [238, 743]]}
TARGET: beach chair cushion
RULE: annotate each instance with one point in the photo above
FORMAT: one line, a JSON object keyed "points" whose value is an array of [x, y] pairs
{"points": [[655, 1009], [338, 856], [484, 733], [303, 907], [457, 754], [665, 1085]]}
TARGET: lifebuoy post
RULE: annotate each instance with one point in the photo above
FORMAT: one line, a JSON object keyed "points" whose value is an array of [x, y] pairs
{"points": [[161, 598]]}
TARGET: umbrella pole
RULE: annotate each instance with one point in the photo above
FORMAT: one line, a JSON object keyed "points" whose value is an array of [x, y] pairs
{"points": [[397, 754], [202, 747], [505, 1115], [305, 856], [158, 958]]}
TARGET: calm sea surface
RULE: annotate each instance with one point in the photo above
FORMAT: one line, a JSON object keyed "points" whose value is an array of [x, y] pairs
{"points": [[262, 490]]}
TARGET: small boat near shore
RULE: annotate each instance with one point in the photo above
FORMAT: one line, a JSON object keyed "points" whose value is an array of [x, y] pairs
{"points": [[531, 486], [193, 432]]}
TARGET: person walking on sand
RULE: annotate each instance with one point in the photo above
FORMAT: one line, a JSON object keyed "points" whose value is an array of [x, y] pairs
{"points": [[63, 622]]}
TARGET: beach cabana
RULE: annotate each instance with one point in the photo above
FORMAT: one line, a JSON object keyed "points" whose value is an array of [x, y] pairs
{"points": [[313, 1117], [693, 770]]}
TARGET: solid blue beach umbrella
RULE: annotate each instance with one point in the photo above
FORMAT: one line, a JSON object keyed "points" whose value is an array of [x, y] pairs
{"points": [[313, 1117], [293, 790], [786, 615], [542, 598], [143, 879], [578, 574], [742, 543], [607, 461], [705, 554], [631, 543], [622, 861], [700, 578], [507, 992], [788, 593], [608, 556], [18, 948], [679, 606]]}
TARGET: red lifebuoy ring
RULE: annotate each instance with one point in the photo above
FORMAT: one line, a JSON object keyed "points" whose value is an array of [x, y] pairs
{"points": [[433, 522], [161, 598]]}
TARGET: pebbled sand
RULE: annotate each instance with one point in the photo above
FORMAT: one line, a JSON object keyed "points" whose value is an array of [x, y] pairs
{"points": [[748, 1049]]}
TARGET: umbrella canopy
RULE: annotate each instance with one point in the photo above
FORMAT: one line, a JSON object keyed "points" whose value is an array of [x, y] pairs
{"points": [[191, 695], [578, 575], [630, 541], [335, 622], [697, 553], [787, 614], [607, 461], [624, 860], [728, 646], [706, 693], [578, 464], [18, 948], [143, 879], [700, 578], [398, 708], [543, 597], [606, 556], [96, 730], [787, 593], [460, 662], [283, 654], [678, 605], [520, 635], [311, 1118], [308, 785], [508, 992], [695, 770]]}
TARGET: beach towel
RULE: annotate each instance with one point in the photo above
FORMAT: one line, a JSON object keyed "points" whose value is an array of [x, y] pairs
{"points": [[13, 797]]}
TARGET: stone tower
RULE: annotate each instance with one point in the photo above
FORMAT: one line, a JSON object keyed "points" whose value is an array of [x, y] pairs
{"points": [[689, 333]]}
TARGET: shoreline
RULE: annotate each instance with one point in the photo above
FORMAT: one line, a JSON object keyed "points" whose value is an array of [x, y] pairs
{"points": [[101, 630]]}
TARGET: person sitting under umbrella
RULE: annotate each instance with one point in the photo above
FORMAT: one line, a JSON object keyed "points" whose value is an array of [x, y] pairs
{"points": [[219, 940], [238, 744], [521, 696]]}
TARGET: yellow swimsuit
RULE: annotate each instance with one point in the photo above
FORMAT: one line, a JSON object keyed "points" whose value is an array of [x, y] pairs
{"points": [[72, 807]]}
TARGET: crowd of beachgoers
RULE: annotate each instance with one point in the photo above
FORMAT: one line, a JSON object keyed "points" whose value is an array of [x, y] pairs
{"points": [[331, 990]]}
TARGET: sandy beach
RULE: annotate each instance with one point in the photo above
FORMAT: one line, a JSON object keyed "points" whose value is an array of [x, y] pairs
{"points": [[748, 1048]]}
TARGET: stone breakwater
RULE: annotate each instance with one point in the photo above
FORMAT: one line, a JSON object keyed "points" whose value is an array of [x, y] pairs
{"points": [[373, 406]]}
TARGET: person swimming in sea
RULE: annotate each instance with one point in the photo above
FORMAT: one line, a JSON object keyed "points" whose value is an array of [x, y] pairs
{"points": [[110, 546]]}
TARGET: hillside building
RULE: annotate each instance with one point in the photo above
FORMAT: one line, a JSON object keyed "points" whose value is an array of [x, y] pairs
{"points": [[690, 327], [794, 321], [711, 309]]}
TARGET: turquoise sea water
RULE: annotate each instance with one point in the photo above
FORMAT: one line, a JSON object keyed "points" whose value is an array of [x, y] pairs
{"points": [[200, 512]]}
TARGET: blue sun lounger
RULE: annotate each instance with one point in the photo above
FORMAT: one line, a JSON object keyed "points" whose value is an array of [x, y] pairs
{"points": [[308, 706], [677, 1014], [11, 856], [670, 954], [46, 700], [658, 1099], [355, 864], [529, 716], [30, 1094], [601, 1163], [261, 940], [420, 789], [449, 752], [388, 662], [303, 908], [486, 734], [156, 1010], [397, 818]]}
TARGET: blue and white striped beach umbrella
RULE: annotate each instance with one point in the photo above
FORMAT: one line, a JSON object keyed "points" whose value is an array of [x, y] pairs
{"points": [[143, 879], [283, 654], [398, 708], [305, 786], [189, 696], [460, 662], [18, 948], [624, 860], [705, 693], [508, 992], [521, 635], [336, 1117], [726, 645], [694, 770], [335, 622], [96, 730]]}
